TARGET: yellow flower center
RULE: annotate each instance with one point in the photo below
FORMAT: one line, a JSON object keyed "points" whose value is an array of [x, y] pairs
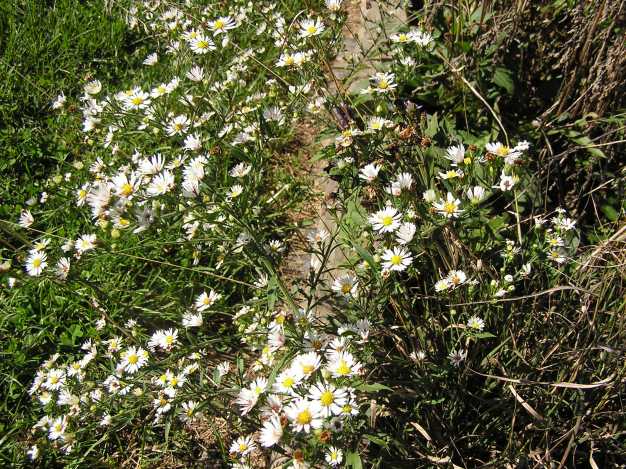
{"points": [[133, 359], [395, 259], [307, 368], [219, 24], [346, 288], [304, 417], [343, 368], [449, 207], [467, 160], [54, 379], [36, 262], [403, 38], [312, 29], [242, 447], [137, 100], [387, 220], [169, 340], [126, 189], [203, 44], [503, 150], [290, 60], [288, 382], [383, 84], [327, 398], [346, 409]]}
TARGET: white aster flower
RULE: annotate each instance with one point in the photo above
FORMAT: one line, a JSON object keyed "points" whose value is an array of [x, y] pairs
{"points": [[304, 415], [386, 220], [370, 172], [396, 259]]}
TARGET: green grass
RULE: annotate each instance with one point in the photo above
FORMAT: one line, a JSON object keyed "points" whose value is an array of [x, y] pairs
{"points": [[45, 48]]}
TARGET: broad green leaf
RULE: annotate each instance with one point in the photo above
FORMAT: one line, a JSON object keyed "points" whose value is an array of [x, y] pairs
{"points": [[502, 78]]}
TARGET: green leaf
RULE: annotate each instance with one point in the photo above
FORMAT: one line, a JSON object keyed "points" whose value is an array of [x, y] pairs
{"points": [[365, 255], [376, 440], [610, 212], [484, 335], [353, 460], [433, 125], [502, 78], [373, 387]]}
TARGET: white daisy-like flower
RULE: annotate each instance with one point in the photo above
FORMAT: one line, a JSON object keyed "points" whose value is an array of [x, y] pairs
{"points": [[36, 262], [307, 363], [506, 182], [287, 381], [456, 154], [331, 400], [243, 445], [26, 219], [152, 165], [192, 320], [151, 59], [377, 123], [429, 196], [201, 44], [177, 126], [333, 456], [510, 155], [163, 339], [235, 191], [138, 99], [240, 170], [449, 207], [57, 428], [456, 278], [55, 379], [133, 358], [346, 285], [476, 323], [343, 364], [189, 411], [476, 194], [304, 415], [125, 187], [383, 82], [93, 87], [333, 5], [396, 259], [405, 233], [451, 174], [85, 243], [196, 73], [442, 285], [161, 184], [63, 268], [386, 220], [370, 172], [206, 300], [59, 101], [311, 27], [222, 24], [246, 400], [272, 432], [193, 142]]}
